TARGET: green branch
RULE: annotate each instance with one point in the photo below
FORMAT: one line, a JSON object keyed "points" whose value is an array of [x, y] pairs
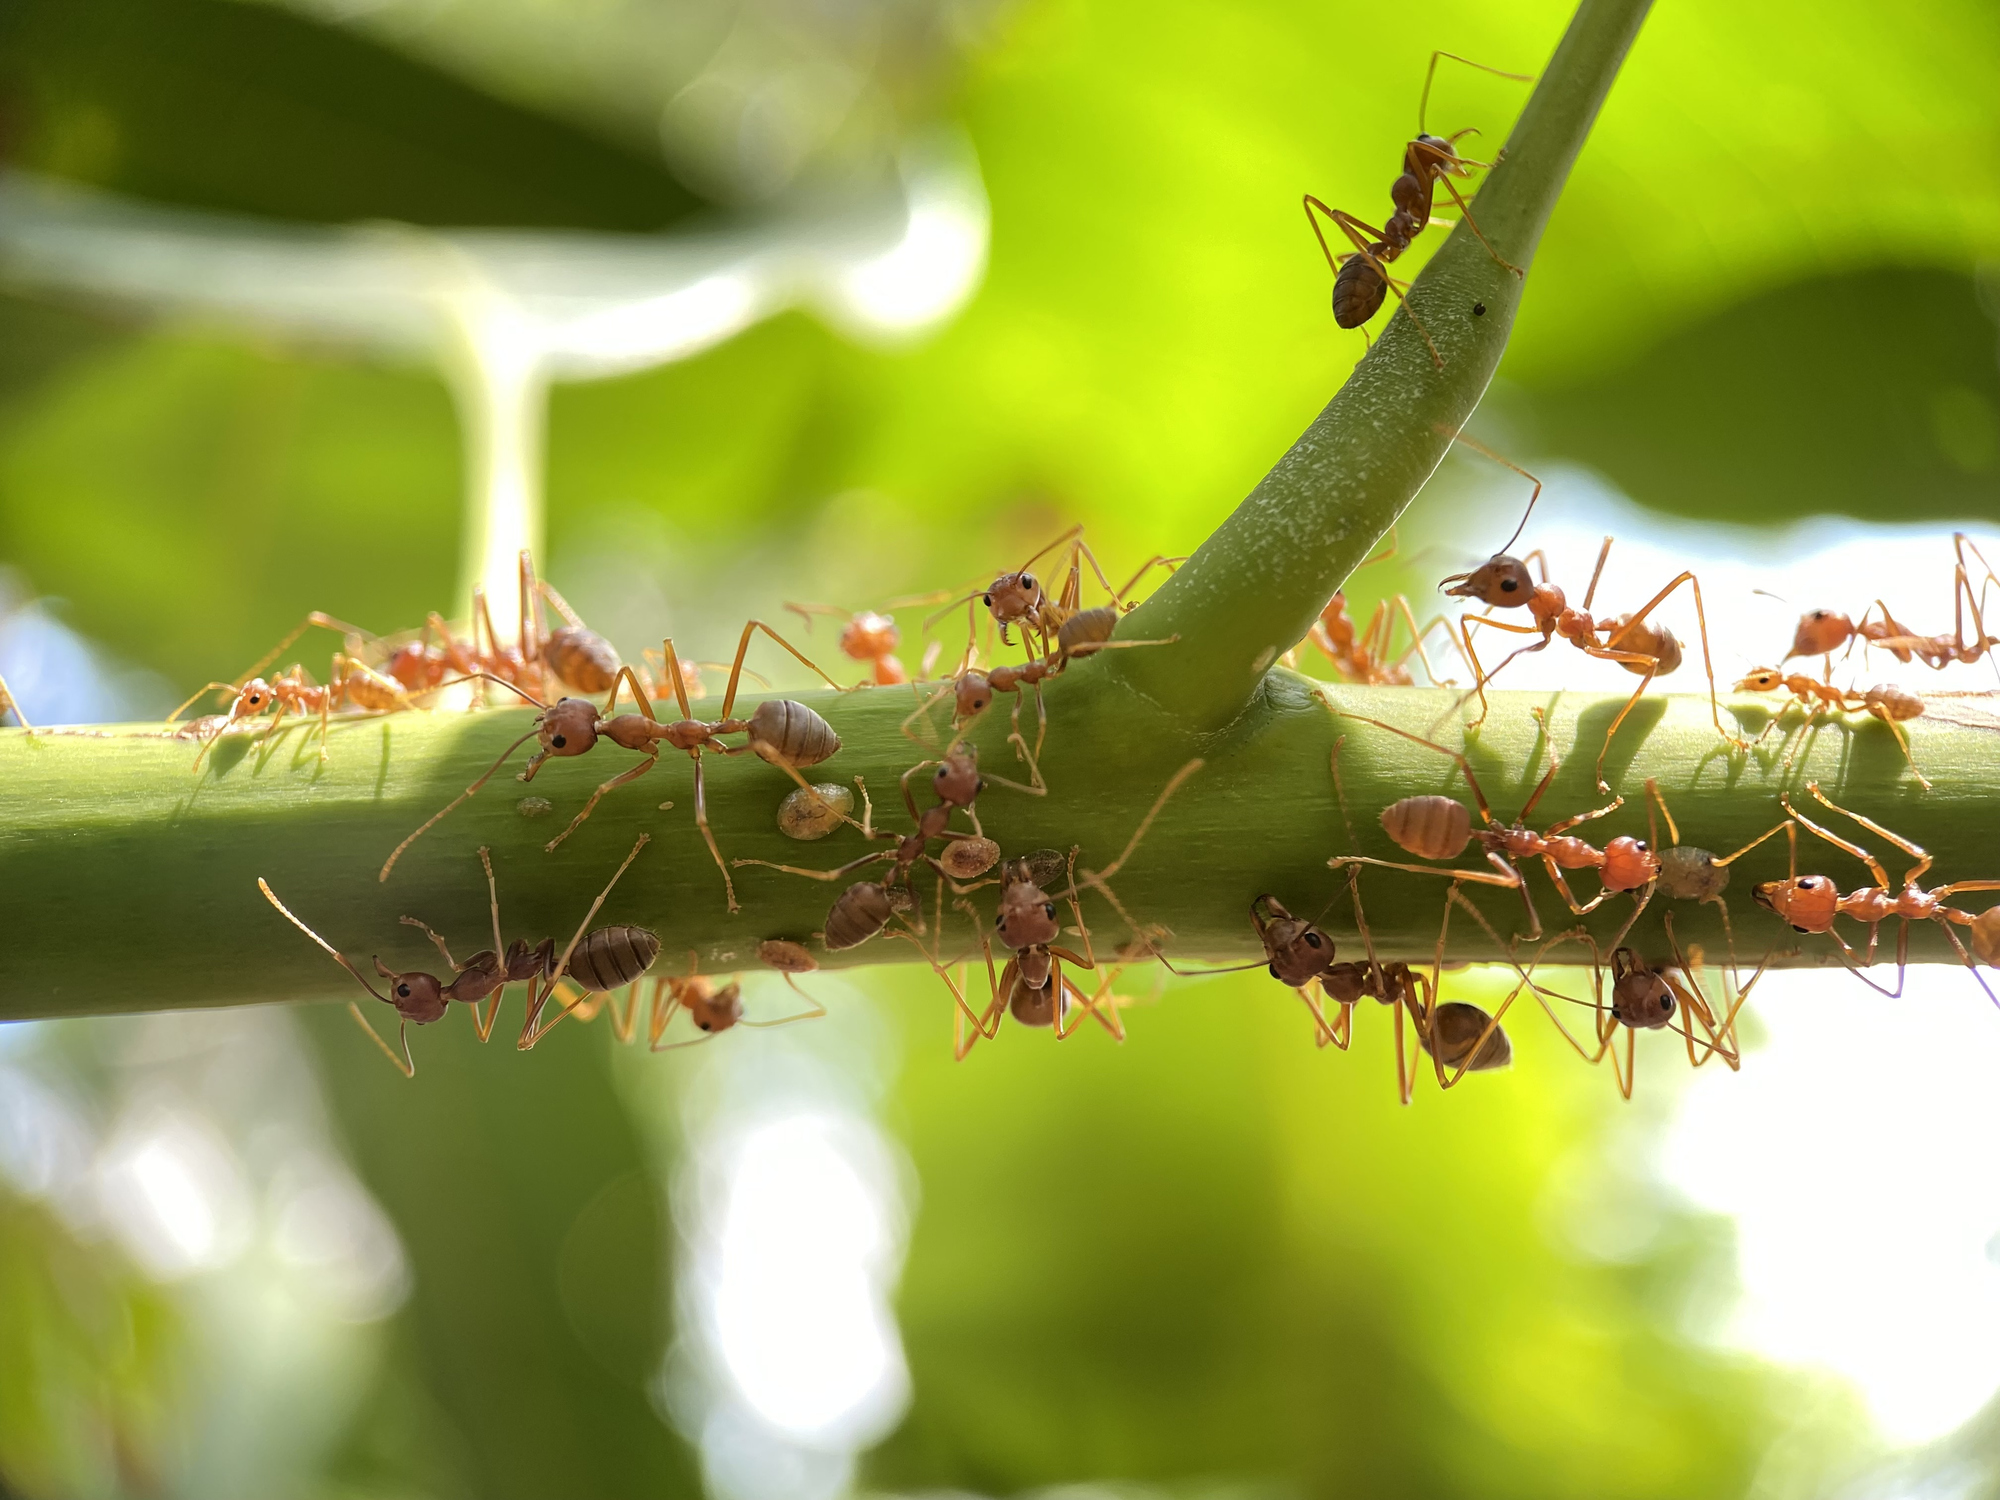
{"points": [[1252, 590], [131, 883]]}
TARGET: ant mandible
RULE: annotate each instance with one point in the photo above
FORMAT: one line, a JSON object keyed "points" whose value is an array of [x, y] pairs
{"points": [[1361, 277]]}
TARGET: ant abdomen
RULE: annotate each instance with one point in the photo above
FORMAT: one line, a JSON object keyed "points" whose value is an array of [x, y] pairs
{"points": [[784, 730], [612, 957], [582, 658], [1358, 291], [1430, 827], [1458, 1028]]}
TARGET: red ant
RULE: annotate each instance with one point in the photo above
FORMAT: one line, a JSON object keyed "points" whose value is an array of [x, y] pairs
{"points": [[572, 653], [872, 638], [293, 691], [1810, 903], [606, 959], [1646, 998], [1018, 598], [711, 1010], [1887, 701], [1821, 632], [1504, 582], [1031, 986], [1435, 827], [781, 730], [1361, 277]]}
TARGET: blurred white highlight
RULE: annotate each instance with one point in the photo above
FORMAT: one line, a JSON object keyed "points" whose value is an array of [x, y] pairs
{"points": [[1854, 1152], [506, 312], [799, 1275], [173, 1192]]}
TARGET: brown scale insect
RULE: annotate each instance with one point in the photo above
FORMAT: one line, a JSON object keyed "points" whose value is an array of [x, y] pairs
{"points": [[1623, 864], [780, 730], [1361, 277], [1892, 704], [1032, 986], [957, 783], [1630, 640], [1688, 873], [608, 958], [1811, 903]]}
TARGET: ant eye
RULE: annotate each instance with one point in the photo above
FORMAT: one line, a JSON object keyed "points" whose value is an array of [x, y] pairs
{"points": [[1810, 883], [1049, 910], [1000, 920], [1274, 971], [1802, 929], [1508, 585], [1641, 845], [989, 601], [1027, 580], [1312, 939], [1667, 1004], [403, 991], [558, 741]]}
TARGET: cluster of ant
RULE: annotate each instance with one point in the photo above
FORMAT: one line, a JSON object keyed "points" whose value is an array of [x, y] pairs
{"points": [[374, 676]]}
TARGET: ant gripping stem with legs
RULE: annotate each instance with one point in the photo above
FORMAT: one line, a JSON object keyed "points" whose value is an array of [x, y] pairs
{"points": [[1436, 827], [1648, 650], [1361, 277], [602, 960], [1887, 701], [1810, 903], [782, 731]]}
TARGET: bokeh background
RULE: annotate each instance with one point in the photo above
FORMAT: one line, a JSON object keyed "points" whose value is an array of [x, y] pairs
{"points": [[952, 273]]}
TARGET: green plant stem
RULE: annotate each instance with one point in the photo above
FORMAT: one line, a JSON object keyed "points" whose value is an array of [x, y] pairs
{"points": [[1251, 591], [130, 884]]}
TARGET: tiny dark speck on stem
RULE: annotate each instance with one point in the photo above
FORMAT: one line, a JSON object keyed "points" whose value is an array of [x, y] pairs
{"points": [[1479, 309]]}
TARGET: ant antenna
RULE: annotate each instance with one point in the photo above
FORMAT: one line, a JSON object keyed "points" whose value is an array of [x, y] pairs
{"points": [[1423, 100], [1478, 447]]}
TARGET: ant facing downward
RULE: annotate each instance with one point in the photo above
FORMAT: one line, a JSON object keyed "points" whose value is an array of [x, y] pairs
{"points": [[1361, 277]]}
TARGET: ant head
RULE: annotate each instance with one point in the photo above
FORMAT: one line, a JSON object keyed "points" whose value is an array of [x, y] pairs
{"points": [[712, 1010], [569, 728], [418, 997], [975, 694], [956, 780], [1763, 680], [1808, 902], [1501, 581], [252, 698], [1013, 597], [1628, 864], [1027, 917], [1640, 998], [1820, 631], [1299, 952]]}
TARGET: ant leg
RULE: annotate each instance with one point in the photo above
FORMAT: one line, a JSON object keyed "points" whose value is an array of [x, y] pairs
{"points": [[847, 869], [1978, 978], [1424, 100], [1172, 786], [743, 645], [1509, 878], [1623, 658], [708, 836], [1417, 634], [437, 941], [1482, 678], [213, 687], [406, 1064], [1903, 740], [1915, 851], [1493, 1021], [1359, 234], [1465, 216], [1464, 765], [1881, 876], [923, 711], [650, 759], [318, 618], [471, 791], [532, 1033]]}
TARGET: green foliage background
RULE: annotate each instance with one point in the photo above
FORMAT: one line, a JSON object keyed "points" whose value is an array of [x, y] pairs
{"points": [[1215, 1254]]}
